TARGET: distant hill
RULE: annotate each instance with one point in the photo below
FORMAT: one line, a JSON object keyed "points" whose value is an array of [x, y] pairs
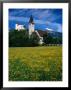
{"points": [[55, 34], [52, 33]]}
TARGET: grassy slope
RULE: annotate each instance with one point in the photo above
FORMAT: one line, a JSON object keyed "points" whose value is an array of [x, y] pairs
{"points": [[35, 63]]}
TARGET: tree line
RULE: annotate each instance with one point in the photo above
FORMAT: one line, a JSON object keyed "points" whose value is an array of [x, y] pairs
{"points": [[21, 39]]}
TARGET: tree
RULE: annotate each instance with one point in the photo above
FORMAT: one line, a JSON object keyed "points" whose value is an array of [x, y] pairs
{"points": [[47, 39], [34, 39], [18, 38], [21, 39]]}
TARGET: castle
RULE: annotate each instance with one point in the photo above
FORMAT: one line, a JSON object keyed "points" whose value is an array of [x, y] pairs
{"points": [[31, 29], [19, 27]]}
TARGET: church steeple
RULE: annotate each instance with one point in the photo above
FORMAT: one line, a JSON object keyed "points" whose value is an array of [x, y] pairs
{"points": [[31, 26], [31, 20]]}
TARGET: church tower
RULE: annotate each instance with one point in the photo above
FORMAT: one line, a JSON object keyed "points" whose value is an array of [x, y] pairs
{"points": [[31, 25]]}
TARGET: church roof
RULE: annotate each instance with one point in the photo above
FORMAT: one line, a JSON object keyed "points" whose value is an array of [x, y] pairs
{"points": [[41, 33], [31, 20]]}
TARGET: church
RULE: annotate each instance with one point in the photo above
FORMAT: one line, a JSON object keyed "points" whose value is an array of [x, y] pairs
{"points": [[32, 29]]}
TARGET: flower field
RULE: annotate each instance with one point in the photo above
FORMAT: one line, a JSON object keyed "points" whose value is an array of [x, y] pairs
{"points": [[35, 63]]}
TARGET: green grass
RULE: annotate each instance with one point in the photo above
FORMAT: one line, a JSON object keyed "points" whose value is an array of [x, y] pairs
{"points": [[35, 63]]}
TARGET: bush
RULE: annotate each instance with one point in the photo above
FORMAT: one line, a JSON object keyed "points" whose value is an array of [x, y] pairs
{"points": [[48, 39], [21, 39]]}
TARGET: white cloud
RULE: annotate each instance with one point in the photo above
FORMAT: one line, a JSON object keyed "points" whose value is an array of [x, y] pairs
{"points": [[49, 29]]}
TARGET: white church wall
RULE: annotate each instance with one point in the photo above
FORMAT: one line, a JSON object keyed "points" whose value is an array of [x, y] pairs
{"points": [[31, 28]]}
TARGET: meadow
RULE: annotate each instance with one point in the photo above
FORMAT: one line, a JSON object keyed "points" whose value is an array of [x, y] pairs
{"points": [[42, 63]]}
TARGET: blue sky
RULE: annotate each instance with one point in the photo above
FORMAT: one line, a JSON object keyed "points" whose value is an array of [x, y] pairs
{"points": [[44, 19]]}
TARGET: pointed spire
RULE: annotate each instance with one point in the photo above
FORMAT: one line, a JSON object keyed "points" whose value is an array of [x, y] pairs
{"points": [[31, 20]]}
